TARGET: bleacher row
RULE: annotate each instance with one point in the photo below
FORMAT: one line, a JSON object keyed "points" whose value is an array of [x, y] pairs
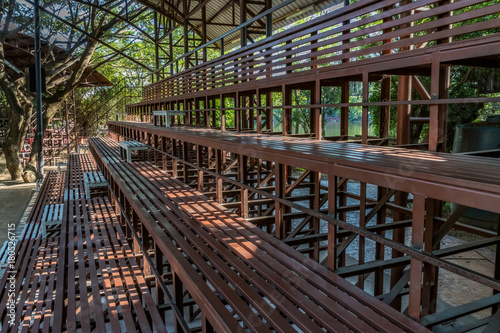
{"points": [[168, 248], [241, 278], [81, 275]]}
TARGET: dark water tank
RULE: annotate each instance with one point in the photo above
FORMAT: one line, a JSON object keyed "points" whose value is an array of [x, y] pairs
{"points": [[476, 137]]}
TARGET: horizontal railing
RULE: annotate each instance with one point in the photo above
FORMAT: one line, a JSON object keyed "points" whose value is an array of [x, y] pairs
{"points": [[359, 32]]}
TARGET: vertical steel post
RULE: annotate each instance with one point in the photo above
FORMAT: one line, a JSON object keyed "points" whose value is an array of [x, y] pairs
{"points": [[378, 287], [269, 112], [237, 112], [171, 54], [67, 127], [186, 34], [434, 108], [222, 113], [243, 19], [417, 240], [74, 121], [269, 19], [364, 118], [344, 111], [496, 272], [385, 111], [204, 32], [157, 48], [38, 80], [259, 112], [362, 225], [280, 188], [315, 190], [385, 93], [317, 123], [332, 229], [243, 177]]}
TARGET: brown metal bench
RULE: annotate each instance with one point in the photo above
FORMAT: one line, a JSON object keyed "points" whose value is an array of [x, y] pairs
{"points": [[274, 281], [171, 245], [86, 278], [26, 286], [106, 288], [100, 262]]}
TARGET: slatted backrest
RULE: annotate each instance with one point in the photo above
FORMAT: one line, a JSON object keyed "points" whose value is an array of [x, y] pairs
{"points": [[359, 32]]}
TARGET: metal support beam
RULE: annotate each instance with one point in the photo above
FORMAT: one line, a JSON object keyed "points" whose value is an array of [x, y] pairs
{"points": [[243, 19], [38, 98]]}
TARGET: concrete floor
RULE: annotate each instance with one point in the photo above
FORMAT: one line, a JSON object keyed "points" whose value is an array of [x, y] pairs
{"points": [[14, 198], [13, 201]]}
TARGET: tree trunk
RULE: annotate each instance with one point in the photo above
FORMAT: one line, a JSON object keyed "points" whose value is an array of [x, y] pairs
{"points": [[14, 140], [12, 160]]}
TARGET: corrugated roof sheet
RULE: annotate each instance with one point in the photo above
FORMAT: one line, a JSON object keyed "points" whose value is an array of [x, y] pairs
{"points": [[221, 11]]}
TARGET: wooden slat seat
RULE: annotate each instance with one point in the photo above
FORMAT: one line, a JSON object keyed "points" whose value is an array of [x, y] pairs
{"points": [[32, 282], [274, 281], [27, 288], [78, 166], [106, 289], [100, 262], [168, 241]]}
